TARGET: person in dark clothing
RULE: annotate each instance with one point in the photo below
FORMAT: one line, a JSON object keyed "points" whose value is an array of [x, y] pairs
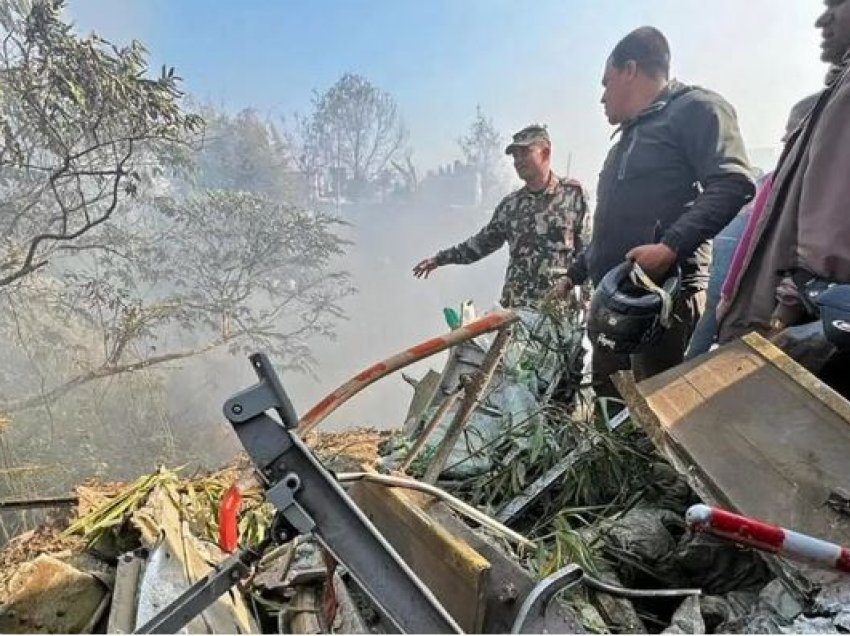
{"points": [[677, 175]]}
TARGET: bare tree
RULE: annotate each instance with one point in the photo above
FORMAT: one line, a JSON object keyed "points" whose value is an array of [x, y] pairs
{"points": [[353, 133], [482, 148], [408, 173], [79, 120]]}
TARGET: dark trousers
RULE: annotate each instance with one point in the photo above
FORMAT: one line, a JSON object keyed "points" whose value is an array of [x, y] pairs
{"points": [[667, 352]]}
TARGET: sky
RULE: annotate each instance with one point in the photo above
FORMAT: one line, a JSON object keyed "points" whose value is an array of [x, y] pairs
{"points": [[521, 61]]}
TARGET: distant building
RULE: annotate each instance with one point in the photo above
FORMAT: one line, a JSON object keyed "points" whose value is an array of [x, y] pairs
{"points": [[454, 184]]}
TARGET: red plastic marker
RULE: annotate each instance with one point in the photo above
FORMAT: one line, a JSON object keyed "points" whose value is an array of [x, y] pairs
{"points": [[228, 519]]}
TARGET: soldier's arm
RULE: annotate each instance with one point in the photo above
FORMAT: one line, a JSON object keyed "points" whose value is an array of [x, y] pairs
{"points": [[577, 272], [491, 237], [579, 209]]}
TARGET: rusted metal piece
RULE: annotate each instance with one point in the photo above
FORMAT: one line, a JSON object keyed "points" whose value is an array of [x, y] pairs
{"points": [[472, 394], [490, 322]]}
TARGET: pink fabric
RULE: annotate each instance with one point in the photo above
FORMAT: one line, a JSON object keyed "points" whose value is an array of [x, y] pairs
{"points": [[734, 272]]}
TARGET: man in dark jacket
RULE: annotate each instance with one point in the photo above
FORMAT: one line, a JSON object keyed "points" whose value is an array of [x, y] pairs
{"points": [[677, 175]]}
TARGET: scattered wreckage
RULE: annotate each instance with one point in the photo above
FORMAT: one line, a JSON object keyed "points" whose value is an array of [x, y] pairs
{"points": [[532, 512]]}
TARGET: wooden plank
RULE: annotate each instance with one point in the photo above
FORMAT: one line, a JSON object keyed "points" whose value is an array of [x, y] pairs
{"points": [[760, 434], [800, 375], [509, 582], [456, 574]]}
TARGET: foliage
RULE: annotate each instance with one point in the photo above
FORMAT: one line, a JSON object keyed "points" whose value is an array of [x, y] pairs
{"points": [[218, 269], [199, 501], [607, 477], [80, 121], [244, 152]]}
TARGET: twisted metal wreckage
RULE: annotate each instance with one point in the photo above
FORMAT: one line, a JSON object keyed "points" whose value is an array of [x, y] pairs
{"points": [[373, 534], [310, 500]]}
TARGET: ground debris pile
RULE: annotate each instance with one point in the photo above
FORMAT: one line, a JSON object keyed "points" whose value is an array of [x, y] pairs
{"points": [[128, 549], [608, 501], [46, 539], [358, 447], [588, 487]]}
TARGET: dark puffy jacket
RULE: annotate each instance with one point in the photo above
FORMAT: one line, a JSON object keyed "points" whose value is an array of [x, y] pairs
{"points": [[678, 174]]}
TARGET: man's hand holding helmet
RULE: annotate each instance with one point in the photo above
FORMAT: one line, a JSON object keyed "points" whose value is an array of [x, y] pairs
{"points": [[655, 259]]}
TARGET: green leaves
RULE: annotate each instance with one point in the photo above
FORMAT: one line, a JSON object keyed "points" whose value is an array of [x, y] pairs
{"points": [[80, 117], [199, 502]]}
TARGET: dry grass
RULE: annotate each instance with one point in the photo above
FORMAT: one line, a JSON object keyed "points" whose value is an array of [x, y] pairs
{"points": [[199, 501], [359, 444], [46, 539]]}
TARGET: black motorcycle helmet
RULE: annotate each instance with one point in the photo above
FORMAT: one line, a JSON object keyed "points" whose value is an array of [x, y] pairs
{"points": [[628, 311], [834, 306]]}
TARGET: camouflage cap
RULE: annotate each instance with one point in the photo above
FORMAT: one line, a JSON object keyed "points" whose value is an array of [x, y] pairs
{"points": [[527, 136]]}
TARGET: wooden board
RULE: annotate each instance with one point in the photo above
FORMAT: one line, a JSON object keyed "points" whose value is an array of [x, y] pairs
{"points": [[756, 433], [509, 583], [456, 574]]}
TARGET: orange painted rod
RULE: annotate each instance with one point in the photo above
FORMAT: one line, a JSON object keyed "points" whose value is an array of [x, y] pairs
{"points": [[333, 401]]}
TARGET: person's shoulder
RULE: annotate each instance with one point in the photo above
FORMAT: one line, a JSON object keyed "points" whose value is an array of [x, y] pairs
{"points": [[573, 186], [512, 197], [699, 98]]}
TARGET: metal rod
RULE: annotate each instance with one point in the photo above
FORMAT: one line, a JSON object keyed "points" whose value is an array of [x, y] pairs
{"points": [[626, 592], [430, 427], [472, 394], [334, 400], [38, 502], [455, 503]]}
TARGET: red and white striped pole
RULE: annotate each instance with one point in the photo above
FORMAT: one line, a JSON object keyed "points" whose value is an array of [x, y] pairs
{"points": [[767, 537]]}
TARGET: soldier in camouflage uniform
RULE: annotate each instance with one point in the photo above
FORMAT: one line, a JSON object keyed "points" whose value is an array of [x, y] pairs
{"points": [[541, 223]]}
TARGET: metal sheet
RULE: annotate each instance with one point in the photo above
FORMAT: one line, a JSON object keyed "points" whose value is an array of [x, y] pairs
{"points": [[122, 613]]}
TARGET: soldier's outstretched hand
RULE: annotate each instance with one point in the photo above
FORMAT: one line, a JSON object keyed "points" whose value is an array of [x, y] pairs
{"points": [[425, 267]]}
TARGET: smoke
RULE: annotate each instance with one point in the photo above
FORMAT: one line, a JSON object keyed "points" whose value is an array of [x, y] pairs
{"points": [[760, 56], [394, 311]]}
